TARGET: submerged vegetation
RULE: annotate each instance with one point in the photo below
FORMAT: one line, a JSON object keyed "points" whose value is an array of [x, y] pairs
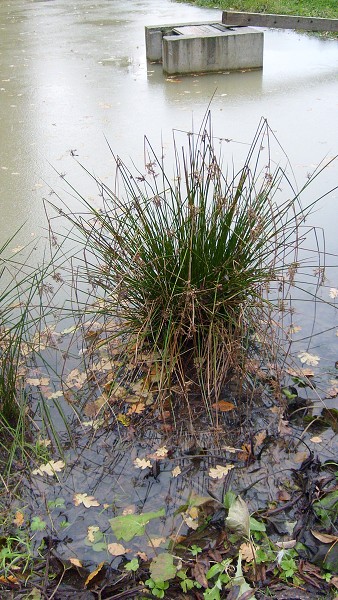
{"points": [[162, 444]]}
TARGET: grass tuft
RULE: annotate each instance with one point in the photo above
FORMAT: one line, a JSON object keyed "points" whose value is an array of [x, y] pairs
{"points": [[187, 263]]}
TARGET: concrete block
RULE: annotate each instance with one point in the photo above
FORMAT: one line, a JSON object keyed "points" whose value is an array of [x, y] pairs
{"points": [[232, 49]]}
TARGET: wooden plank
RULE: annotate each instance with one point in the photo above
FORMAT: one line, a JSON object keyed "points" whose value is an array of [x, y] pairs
{"points": [[232, 18], [198, 30]]}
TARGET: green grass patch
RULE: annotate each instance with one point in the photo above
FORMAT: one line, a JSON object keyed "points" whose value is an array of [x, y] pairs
{"points": [[306, 8]]}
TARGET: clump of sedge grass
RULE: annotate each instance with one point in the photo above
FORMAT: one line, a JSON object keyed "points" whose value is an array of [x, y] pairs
{"points": [[186, 262]]}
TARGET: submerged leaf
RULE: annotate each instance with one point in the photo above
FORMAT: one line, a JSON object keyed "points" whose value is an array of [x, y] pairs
{"points": [[126, 527]]}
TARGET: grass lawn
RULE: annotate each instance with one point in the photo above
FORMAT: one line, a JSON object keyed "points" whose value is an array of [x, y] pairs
{"points": [[313, 8]]}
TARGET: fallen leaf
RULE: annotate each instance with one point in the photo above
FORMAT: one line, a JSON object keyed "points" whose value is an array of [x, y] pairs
{"points": [[54, 395], [333, 293], [68, 330], [198, 572], [220, 471], [259, 438], [19, 518], [176, 471], [238, 519], [283, 427], [49, 468], [316, 439], [283, 496], [93, 408], [123, 419], [129, 510], [332, 392], [247, 551], [128, 526], [309, 359], [223, 406], [93, 574], [91, 531], [162, 567], [156, 542], [117, 549], [136, 409], [37, 381], [287, 544], [299, 457], [326, 538], [142, 463], [86, 500], [294, 329], [161, 452], [76, 562], [142, 556], [76, 379], [301, 372]]}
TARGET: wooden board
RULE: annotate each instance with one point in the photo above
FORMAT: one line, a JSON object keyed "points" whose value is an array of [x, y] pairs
{"points": [[232, 18], [200, 30]]}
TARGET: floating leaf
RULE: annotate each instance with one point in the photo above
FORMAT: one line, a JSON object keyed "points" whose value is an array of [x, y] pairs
{"points": [[238, 519], [92, 534], [123, 419], [161, 452], [126, 527], [76, 562], [136, 409], [142, 463], [316, 439], [117, 549], [49, 468], [220, 471], [54, 395], [38, 381], [333, 293], [176, 471], [308, 359], [162, 567], [86, 500]]}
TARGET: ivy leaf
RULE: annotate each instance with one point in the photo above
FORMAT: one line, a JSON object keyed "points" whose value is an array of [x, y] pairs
{"points": [[126, 527], [162, 567]]}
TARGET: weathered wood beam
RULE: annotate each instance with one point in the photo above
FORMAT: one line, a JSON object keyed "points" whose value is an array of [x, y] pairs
{"points": [[279, 21]]}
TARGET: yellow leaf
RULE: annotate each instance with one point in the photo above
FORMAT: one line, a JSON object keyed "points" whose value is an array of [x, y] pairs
{"points": [[93, 573], [123, 419], [193, 512], [86, 500]]}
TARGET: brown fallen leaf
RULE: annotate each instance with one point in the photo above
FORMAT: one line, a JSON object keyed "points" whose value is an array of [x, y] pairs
{"points": [[326, 538], [247, 551], [136, 409], [156, 542], [220, 471], [283, 496], [19, 518], [223, 406], [259, 438], [198, 572], [316, 439]]}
